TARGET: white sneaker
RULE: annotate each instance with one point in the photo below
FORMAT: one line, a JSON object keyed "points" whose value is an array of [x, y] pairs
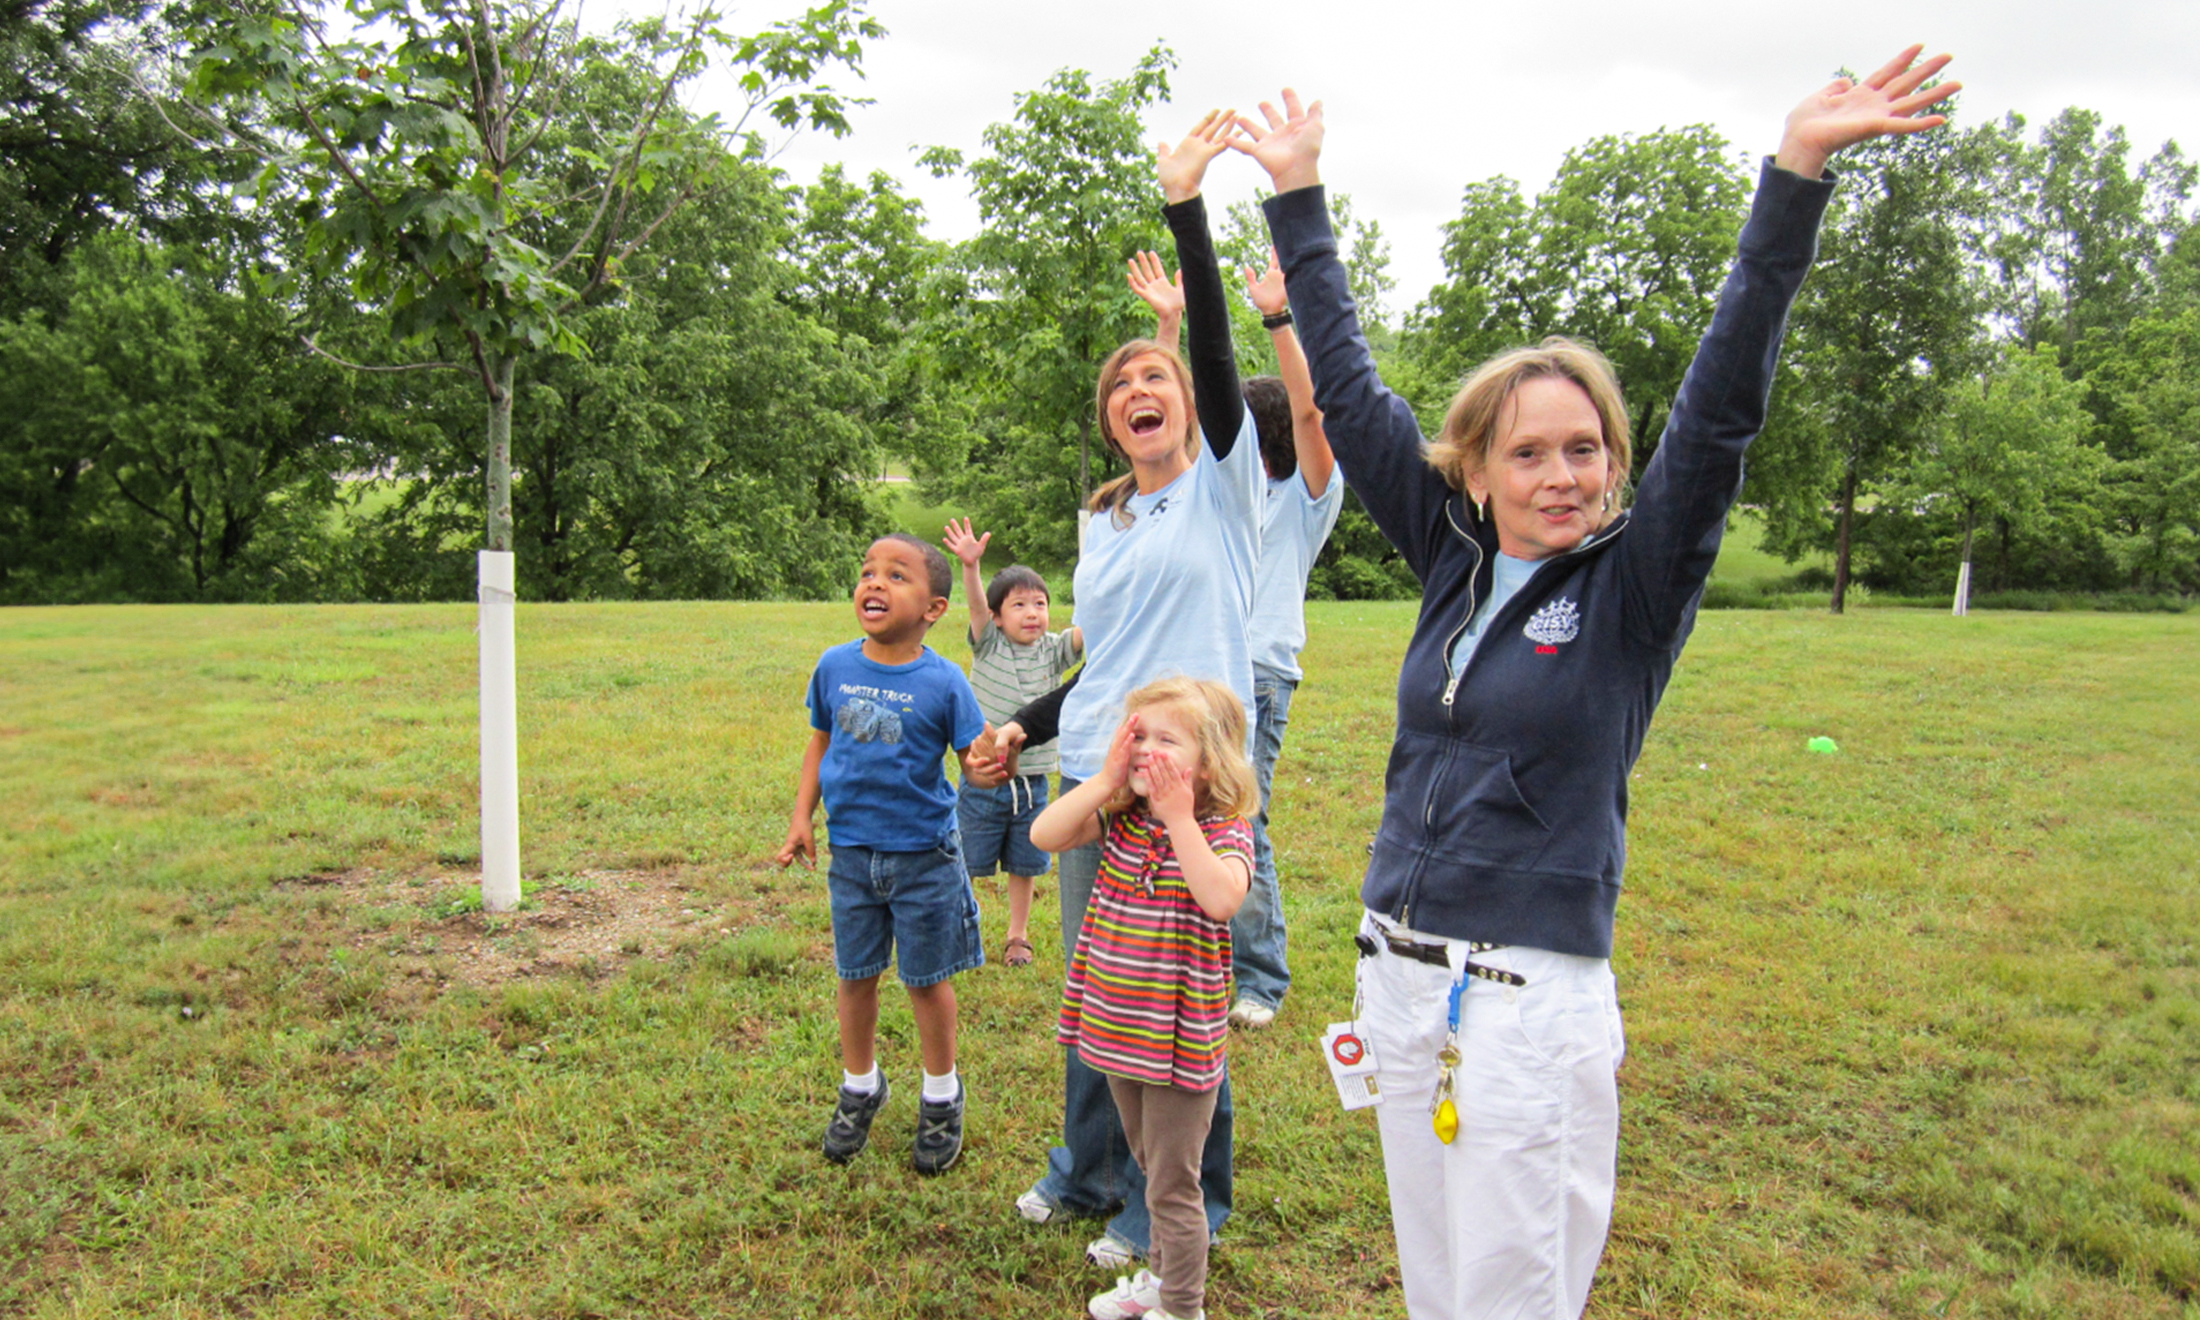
{"points": [[1109, 1252], [1250, 1013], [1129, 1298], [1035, 1207]]}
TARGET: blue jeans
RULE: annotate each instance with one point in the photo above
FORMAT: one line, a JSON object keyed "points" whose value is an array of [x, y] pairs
{"points": [[1092, 1172], [914, 907], [1258, 959]]}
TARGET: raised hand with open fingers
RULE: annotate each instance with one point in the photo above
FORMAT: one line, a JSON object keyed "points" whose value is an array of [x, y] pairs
{"points": [[1265, 288], [962, 544], [1149, 279], [1288, 145], [1844, 112], [1183, 166]]}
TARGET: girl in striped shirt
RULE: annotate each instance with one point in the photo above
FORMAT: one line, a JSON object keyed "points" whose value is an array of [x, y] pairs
{"points": [[1148, 991]]}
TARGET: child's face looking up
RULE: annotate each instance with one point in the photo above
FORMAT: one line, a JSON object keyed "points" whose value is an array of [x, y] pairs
{"points": [[1023, 615], [894, 600], [1163, 732]]}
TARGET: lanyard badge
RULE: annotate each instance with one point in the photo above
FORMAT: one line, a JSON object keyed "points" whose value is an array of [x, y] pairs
{"points": [[1351, 1059]]}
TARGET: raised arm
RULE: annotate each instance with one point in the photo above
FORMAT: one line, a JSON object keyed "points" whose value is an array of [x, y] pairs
{"points": [[1212, 356], [1149, 279], [1308, 437], [1679, 512], [971, 551], [1375, 435]]}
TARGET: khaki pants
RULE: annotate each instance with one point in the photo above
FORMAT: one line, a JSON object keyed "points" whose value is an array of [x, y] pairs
{"points": [[1167, 1128]]}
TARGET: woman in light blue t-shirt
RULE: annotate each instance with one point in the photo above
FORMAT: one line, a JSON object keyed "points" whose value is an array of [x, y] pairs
{"points": [[1164, 587]]}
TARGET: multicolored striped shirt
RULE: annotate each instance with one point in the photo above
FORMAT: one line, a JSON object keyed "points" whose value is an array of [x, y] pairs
{"points": [[1148, 996]]}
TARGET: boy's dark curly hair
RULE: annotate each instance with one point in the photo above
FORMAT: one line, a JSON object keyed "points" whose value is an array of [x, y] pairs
{"points": [[936, 566]]}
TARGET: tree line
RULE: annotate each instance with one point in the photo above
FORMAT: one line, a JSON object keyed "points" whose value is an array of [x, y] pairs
{"points": [[305, 304]]}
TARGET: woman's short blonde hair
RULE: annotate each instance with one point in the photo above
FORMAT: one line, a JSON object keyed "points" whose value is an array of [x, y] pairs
{"points": [[1462, 447], [1114, 497], [1217, 717]]}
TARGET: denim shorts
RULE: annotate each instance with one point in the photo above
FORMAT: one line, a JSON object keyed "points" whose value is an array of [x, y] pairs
{"points": [[919, 903], [996, 826]]}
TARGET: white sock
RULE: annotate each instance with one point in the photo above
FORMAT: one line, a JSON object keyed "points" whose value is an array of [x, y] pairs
{"points": [[937, 1089], [860, 1083]]}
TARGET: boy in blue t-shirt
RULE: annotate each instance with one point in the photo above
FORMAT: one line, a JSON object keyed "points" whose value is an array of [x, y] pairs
{"points": [[883, 712]]}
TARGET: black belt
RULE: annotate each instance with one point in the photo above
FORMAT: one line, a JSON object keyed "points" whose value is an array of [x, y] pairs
{"points": [[1437, 955]]}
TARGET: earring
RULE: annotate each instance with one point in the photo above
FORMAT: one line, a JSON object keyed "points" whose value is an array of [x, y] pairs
{"points": [[1480, 509]]}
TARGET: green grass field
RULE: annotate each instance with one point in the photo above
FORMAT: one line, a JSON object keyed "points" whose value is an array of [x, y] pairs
{"points": [[1914, 1028]]}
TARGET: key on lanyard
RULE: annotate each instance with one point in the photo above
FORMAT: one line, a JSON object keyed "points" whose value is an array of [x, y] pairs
{"points": [[1446, 1121]]}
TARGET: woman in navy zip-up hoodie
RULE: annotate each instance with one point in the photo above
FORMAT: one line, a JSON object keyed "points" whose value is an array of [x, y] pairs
{"points": [[1550, 622]]}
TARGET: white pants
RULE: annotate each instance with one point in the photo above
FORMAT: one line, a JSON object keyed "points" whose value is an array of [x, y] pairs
{"points": [[1509, 1219]]}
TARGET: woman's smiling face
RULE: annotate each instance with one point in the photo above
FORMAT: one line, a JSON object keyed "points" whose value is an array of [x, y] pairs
{"points": [[1547, 471], [1148, 415]]}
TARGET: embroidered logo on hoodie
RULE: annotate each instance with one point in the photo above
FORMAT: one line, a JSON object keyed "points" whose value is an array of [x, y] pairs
{"points": [[1556, 622]]}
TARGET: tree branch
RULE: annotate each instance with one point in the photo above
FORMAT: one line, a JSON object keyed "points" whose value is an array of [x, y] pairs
{"points": [[307, 340], [642, 132], [481, 364]]}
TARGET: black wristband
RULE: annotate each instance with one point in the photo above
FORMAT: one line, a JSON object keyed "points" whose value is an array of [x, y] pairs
{"points": [[1276, 322]]}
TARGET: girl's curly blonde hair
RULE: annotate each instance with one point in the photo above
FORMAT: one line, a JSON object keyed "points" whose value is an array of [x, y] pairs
{"points": [[1227, 786]]}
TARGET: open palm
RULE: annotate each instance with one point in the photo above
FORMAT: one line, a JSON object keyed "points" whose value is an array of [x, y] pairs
{"points": [[1844, 113]]}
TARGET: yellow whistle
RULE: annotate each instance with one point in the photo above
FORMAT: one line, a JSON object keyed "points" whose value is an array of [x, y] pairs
{"points": [[1447, 1121]]}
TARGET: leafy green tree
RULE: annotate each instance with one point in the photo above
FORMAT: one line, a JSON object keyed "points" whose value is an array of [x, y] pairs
{"points": [[484, 171], [859, 263], [2150, 379], [2088, 229], [1626, 249], [1490, 302], [191, 441], [2010, 448], [1633, 240], [85, 146], [1029, 306], [1890, 317]]}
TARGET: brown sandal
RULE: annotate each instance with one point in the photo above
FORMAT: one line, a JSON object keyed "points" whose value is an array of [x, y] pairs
{"points": [[1016, 946]]}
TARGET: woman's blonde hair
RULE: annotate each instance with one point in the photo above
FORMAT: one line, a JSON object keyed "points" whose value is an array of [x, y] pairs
{"points": [[1462, 447], [1217, 718], [1113, 498]]}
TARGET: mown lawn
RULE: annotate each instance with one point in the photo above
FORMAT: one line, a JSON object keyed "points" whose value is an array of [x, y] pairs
{"points": [[1914, 1028]]}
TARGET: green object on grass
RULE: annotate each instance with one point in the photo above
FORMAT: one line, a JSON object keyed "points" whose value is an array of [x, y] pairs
{"points": [[1826, 745]]}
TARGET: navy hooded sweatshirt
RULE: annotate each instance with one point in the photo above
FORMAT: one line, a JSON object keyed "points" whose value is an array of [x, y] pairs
{"points": [[1505, 803]]}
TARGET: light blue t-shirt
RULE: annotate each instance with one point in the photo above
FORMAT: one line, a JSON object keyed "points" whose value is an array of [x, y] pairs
{"points": [[1169, 595], [883, 778], [1508, 577], [1293, 527]]}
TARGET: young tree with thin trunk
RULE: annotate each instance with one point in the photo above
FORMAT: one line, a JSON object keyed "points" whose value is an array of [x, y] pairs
{"points": [[482, 170]]}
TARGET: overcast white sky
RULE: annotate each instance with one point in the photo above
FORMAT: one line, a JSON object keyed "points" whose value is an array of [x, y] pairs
{"points": [[1423, 98]]}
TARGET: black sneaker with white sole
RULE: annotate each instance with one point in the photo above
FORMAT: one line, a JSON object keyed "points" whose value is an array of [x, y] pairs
{"points": [[940, 1133], [850, 1130]]}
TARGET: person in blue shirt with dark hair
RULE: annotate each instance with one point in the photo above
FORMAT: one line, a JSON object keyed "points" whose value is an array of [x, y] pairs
{"points": [[884, 710]]}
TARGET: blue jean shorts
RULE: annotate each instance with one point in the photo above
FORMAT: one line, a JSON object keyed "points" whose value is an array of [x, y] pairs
{"points": [[996, 826], [917, 904]]}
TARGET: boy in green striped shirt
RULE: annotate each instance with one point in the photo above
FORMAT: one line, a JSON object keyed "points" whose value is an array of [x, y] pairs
{"points": [[1013, 661]]}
